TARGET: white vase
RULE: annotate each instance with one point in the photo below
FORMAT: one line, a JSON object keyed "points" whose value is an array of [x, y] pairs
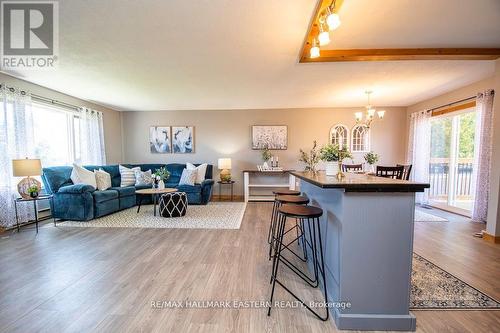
{"points": [[331, 168], [161, 185]]}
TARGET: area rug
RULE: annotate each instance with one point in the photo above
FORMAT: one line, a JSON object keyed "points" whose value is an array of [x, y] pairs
{"points": [[433, 288], [425, 217], [215, 215]]}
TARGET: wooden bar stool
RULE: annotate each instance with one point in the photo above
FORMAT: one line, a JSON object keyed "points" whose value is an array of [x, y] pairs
{"points": [[309, 215], [274, 214], [278, 201]]}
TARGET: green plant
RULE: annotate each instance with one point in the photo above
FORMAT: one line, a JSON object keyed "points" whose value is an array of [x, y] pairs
{"points": [[333, 153], [33, 189], [371, 158], [311, 159], [161, 174], [266, 154]]}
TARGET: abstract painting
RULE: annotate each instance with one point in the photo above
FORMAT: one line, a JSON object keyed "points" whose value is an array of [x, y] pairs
{"points": [[159, 139], [270, 137], [183, 139]]}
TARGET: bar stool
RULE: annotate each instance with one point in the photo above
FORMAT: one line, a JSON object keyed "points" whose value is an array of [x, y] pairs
{"points": [[310, 215], [275, 208], [279, 200]]}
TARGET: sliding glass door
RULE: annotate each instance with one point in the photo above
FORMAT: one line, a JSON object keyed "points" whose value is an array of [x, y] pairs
{"points": [[452, 161]]}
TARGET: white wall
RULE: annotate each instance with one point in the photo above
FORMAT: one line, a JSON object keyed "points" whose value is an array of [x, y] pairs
{"points": [[228, 134]]}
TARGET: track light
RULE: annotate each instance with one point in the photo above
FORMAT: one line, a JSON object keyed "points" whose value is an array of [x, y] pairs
{"points": [[324, 35], [332, 19], [314, 51]]}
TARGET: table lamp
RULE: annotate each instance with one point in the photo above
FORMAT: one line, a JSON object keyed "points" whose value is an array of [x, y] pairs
{"points": [[225, 165], [26, 168]]}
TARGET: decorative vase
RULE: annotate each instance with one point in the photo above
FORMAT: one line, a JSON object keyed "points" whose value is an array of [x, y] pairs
{"points": [[371, 168], [331, 168], [265, 166], [161, 185]]}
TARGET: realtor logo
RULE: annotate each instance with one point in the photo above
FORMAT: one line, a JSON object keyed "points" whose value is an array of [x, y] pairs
{"points": [[29, 34]]}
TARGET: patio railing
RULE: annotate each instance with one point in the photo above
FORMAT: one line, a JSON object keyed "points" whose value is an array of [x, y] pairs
{"points": [[439, 171]]}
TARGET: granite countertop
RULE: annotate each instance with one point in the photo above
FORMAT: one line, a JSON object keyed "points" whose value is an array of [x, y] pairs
{"points": [[360, 182]]}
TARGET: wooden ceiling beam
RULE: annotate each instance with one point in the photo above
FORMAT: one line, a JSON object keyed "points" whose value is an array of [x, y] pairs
{"points": [[406, 54], [386, 54]]}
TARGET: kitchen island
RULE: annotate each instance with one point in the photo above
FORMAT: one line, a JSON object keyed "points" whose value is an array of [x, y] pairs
{"points": [[367, 230]]}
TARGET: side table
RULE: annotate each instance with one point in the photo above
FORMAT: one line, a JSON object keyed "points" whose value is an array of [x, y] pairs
{"points": [[49, 197], [221, 183]]}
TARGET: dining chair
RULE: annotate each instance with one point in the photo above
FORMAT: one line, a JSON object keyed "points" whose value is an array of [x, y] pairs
{"points": [[352, 167], [406, 170], [390, 172]]}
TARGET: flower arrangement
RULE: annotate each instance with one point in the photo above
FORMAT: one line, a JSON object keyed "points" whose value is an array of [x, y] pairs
{"points": [[311, 159], [371, 158], [161, 174]]}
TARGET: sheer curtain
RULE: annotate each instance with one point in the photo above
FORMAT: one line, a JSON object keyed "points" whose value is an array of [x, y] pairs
{"points": [[91, 137], [16, 141], [419, 150], [483, 146]]}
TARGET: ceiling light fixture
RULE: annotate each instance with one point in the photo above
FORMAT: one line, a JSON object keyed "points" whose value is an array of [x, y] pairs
{"points": [[370, 113], [314, 51], [332, 18], [324, 35]]}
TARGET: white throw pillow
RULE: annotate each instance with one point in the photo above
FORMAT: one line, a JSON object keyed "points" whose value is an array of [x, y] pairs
{"points": [[103, 179], [80, 175], [127, 175], [188, 177], [143, 177], [201, 170]]}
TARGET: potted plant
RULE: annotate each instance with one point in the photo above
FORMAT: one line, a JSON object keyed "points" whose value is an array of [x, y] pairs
{"points": [[33, 191], [330, 155], [333, 156], [266, 156], [311, 159], [159, 177], [371, 158]]}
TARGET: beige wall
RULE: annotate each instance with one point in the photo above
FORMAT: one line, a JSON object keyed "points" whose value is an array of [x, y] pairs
{"points": [[228, 134], [111, 119]]}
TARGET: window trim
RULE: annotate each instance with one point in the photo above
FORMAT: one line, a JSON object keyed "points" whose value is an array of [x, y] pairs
{"points": [[347, 137]]}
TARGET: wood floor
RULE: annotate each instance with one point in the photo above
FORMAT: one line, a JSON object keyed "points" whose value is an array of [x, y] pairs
{"points": [[82, 279]]}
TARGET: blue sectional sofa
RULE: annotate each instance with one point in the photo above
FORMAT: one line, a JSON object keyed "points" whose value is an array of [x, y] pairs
{"points": [[82, 202]]}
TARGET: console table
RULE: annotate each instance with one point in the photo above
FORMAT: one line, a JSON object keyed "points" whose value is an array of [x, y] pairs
{"points": [[258, 185]]}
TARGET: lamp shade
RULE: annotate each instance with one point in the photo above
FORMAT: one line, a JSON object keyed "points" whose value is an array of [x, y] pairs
{"points": [[26, 167], [224, 163]]}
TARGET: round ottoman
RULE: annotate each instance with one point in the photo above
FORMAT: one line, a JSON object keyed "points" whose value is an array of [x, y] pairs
{"points": [[173, 204]]}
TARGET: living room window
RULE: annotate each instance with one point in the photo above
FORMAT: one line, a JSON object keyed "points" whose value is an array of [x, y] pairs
{"points": [[60, 147]]}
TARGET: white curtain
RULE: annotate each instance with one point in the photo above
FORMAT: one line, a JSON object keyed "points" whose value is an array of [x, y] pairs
{"points": [[419, 150], [483, 146], [91, 137], [16, 141]]}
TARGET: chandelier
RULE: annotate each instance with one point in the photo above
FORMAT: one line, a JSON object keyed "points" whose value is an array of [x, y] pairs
{"points": [[370, 113], [328, 21]]}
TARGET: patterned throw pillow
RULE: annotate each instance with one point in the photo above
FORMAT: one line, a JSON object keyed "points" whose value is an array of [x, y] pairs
{"points": [[127, 175], [80, 175], [201, 170], [103, 179], [143, 177], [188, 177]]}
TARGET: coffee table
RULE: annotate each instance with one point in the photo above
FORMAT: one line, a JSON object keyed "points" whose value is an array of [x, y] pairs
{"points": [[155, 193]]}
